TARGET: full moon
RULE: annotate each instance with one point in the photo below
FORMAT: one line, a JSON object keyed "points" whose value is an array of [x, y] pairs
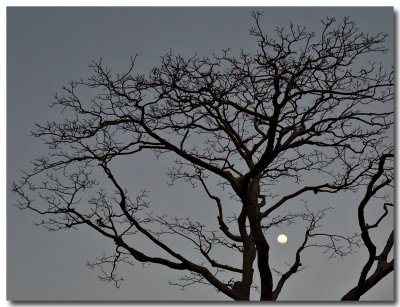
{"points": [[282, 239]]}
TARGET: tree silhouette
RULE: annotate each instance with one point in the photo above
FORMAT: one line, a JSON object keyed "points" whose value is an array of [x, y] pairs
{"points": [[306, 109]]}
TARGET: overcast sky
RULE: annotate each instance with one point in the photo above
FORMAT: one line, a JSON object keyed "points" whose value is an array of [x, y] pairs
{"points": [[48, 47]]}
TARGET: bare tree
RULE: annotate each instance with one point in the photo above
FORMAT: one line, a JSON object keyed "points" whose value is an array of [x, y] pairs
{"points": [[382, 179], [304, 103]]}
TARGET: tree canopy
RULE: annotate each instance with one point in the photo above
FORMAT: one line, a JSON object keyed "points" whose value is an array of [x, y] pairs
{"points": [[312, 111]]}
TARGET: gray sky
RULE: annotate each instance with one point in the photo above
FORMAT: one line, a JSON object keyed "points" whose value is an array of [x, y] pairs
{"points": [[48, 47]]}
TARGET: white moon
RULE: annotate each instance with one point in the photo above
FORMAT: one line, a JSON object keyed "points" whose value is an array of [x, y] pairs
{"points": [[282, 239]]}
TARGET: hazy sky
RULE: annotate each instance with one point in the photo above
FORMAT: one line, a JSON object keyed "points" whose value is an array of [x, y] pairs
{"points": [[48, 47]]}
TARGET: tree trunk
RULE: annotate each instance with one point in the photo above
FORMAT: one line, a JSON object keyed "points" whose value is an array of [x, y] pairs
{"points": [[381, 271], [262, 247]]}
